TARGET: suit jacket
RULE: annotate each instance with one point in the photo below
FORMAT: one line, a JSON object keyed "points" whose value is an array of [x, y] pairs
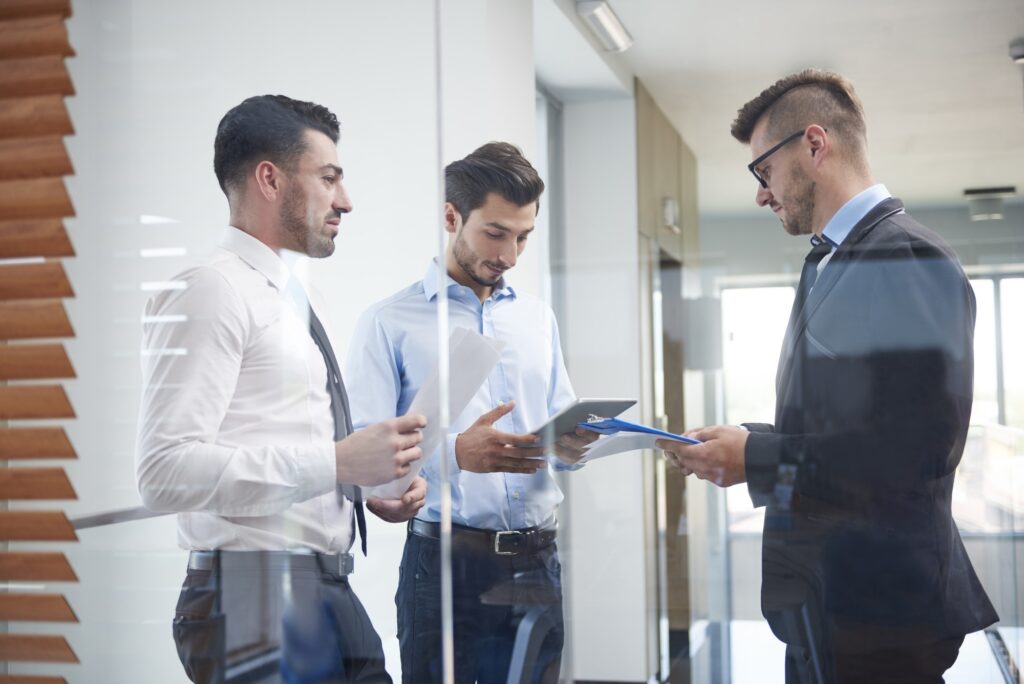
{"points": [[874, 393]]}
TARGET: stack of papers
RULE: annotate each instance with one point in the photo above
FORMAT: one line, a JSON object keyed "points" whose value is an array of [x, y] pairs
{"points": [[621, 436]]}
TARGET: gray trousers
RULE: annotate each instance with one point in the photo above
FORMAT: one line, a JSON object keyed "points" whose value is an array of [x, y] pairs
{"points": [[280, 609]]}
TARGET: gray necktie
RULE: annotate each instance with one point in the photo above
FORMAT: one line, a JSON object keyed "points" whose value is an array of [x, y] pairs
{"points": [[342, 416]]}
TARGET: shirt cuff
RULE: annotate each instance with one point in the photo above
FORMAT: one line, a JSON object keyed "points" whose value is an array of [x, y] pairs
{"points": [[317, 471], [762, 456], [449, 451]]}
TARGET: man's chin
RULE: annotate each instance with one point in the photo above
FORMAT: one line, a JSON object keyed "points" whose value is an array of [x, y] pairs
{"points": [[321, 249]]}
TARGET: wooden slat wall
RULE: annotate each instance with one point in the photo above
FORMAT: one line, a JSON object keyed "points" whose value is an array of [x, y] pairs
{"points": [[29, 238], [34, 116], [35, 483], [30, 679], [33, 205], [31, 319], [35, 607], [46, 442], [32, 361], [36, 526], [40, 566], [32, 647]]}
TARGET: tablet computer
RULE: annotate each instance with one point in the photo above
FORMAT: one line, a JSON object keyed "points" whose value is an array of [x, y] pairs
{"points": [[579, 411]]}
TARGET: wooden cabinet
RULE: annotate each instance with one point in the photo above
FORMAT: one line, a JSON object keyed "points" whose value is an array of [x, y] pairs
{"points": [[666, 172]]}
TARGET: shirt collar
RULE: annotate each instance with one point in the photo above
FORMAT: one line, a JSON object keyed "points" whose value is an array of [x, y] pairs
{"points": [[501, 291], [277, 268], [856, 208]]}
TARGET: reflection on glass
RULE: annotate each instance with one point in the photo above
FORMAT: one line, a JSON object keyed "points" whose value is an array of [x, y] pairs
{"points": [[1012, 295], [986, 402]]}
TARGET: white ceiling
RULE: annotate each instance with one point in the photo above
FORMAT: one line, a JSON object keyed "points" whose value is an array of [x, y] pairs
{"points": [[945, 102]]}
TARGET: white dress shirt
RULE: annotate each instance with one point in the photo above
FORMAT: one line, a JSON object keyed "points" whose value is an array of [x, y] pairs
{"points": [[236, 432]]}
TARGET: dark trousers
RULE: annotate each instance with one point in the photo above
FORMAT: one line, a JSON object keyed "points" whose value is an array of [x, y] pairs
{"points": [[265, 602], [921, 664], [491, 593]]}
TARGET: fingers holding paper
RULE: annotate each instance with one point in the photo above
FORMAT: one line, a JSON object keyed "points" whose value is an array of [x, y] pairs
{"points": [[485, 449], [380, 452], [571, 447], [403, 508], [718, 459]]}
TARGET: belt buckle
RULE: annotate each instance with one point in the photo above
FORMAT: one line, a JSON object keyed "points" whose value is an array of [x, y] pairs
{"points": [[342, 564], [497, 541]]}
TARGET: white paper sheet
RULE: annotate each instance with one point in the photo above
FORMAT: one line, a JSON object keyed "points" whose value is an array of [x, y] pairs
{"points": [[618, 443], [471, 358]]}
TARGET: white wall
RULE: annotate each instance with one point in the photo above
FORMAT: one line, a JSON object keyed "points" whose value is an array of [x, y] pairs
{"points": [[488, 91], [606, 554]]}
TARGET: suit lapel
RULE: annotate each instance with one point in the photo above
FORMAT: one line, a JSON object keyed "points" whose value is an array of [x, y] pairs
{"points": [[828, 278]]}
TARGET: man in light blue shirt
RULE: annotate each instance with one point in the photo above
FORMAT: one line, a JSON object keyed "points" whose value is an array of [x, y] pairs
{"points": [[504, 498]]}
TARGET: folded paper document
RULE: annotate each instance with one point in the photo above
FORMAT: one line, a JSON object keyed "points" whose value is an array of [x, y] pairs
{"points": [[471, 357], [621, 436]]}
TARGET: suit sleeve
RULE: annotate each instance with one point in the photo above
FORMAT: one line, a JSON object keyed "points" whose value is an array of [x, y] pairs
{"points": [[884, 391]]}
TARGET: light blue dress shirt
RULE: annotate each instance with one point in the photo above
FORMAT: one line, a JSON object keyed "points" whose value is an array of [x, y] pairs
{"points": [[394, 351], [856, 208]]}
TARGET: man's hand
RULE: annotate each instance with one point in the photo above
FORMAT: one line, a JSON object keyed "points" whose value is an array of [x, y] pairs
{"points": [[569, 447], [718, 460], [380, 452], [400, 510], [484, 449]]}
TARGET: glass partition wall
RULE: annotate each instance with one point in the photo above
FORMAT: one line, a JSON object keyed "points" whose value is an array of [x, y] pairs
{"points": [[485, 286]]}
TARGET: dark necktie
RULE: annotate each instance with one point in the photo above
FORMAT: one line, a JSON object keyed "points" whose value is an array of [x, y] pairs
{"points": [[808, 275], [340, 411], [810, 270]]}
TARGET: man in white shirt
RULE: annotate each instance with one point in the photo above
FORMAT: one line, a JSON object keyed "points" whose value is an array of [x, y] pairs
{"points": [[244, 428]]}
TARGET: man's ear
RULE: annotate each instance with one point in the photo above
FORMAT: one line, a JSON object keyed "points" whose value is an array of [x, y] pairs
{"points": [[819, 142], [269, 180], [452, 218]]}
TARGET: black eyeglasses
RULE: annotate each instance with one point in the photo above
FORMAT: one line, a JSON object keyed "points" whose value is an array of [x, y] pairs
{"points": [[752, 166]]}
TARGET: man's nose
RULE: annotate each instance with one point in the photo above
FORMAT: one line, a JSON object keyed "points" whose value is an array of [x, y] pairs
{"points": [[763, 196], [342, 202], [508, 255]]}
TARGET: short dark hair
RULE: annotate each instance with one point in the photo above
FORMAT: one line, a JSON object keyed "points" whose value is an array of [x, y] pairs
{"points": [[266, 127], [497, 167], [811, 96]]}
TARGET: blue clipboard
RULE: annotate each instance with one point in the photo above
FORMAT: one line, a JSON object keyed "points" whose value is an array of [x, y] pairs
{"points": [[610, 426]]}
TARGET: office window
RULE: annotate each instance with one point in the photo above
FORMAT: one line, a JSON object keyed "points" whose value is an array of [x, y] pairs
{"points": [[986, 400], [753, 325], [1011, 293]]}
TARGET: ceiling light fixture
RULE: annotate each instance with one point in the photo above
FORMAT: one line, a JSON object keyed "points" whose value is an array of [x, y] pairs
{"points": [[986, 204], [604, 24]]}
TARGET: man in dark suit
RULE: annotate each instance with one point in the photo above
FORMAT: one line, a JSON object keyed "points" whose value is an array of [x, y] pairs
{"points": [[865, 577]]}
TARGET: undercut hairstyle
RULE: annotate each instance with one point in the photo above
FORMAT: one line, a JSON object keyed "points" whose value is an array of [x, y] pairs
{"points": [[266, 128], [497, 167], [811, 96]]}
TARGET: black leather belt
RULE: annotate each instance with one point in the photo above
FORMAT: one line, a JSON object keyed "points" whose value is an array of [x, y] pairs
{"points": [[339, 564], [501, 542]]}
